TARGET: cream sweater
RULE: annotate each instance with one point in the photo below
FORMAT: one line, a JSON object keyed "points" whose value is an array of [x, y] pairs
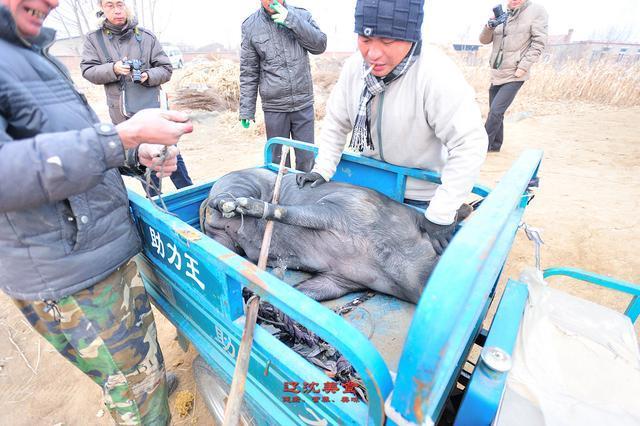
{"points": [[430, 120]]}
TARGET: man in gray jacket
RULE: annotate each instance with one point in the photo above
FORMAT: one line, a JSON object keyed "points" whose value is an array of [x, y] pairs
{"points": [[104, 58], [66, 234], [512, 57], [274, 60]]}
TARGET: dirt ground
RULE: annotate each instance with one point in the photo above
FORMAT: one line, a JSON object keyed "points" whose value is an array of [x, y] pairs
{"points": [[586, 205]]}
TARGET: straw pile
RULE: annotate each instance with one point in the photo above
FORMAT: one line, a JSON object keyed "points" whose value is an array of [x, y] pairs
{"points": [[212, 85]]}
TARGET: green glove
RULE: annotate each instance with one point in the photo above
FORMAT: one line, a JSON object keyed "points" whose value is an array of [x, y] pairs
{"points": [[281, 13], [245, 123]]}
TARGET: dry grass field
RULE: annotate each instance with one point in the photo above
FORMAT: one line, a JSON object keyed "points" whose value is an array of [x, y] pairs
{"points": [[586, 119]]}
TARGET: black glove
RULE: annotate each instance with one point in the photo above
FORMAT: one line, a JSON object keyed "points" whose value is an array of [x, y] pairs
{"points": [[313, 177], [440, 235]]}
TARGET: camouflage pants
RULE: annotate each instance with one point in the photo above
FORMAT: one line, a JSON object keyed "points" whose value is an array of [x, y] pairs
{"points": [[108, 332]]}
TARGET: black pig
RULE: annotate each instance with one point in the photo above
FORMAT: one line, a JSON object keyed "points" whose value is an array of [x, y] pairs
{"points": [[350, 238]]}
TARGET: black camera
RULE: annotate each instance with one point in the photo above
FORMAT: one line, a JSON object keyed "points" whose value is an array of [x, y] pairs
{"points": [[500, 17], [135, 65]]}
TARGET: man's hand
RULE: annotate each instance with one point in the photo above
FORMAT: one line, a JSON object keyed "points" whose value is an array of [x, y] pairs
{"points": [[315, 178], [440, 235], [144, 77], [281, 13], [120, 68], [520, 73], [150, 156], [154, 126], [245, 123]]}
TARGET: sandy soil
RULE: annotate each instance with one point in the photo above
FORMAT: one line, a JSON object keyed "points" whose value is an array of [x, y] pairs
{"points": [[585, 206]]}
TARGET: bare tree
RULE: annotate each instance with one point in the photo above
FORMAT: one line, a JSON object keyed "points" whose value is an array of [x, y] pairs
{"points": [[75, 17], [72, 16], [613, 34]]}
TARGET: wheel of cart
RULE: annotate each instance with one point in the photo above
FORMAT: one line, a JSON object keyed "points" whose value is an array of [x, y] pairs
{"points": [[214, 390], [411, 358]]}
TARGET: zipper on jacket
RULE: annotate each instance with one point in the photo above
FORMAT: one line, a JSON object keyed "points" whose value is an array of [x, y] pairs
{"points": [[379, 126]]}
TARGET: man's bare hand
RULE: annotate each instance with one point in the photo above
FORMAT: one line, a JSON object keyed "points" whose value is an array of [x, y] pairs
{"points": [[120, 68], [144, 77], [520, 73], [154, 126], [150, 156]]}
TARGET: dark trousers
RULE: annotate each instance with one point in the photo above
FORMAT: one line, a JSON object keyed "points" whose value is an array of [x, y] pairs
{"points": [[180, 178], [297, 125], [500, 98]]}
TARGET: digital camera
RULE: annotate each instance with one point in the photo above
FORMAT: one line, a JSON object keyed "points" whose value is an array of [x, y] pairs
{"points": [[500, 17], [135, 65]]}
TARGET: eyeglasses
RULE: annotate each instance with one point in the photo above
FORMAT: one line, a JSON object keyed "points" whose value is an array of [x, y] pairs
{"points": [[112, 6]]}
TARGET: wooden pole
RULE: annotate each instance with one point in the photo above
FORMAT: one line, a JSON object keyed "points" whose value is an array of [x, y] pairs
{"points": [[234, 403]]}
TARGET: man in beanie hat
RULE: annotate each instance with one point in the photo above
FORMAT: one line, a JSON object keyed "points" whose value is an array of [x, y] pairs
{"points": [[407, 104], [511, 58]]}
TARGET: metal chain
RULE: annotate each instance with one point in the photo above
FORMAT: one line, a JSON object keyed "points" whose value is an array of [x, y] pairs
{"points": [[348, 307]]}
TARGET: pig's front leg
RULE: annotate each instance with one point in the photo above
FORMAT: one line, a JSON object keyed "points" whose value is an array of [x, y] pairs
{"points": [[313, 216]]}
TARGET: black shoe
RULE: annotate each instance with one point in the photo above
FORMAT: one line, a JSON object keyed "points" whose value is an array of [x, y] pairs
{"points": [[493, 149], [172, 383]]}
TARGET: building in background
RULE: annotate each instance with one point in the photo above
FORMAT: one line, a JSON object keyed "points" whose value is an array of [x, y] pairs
{"points": [[561, 48]]}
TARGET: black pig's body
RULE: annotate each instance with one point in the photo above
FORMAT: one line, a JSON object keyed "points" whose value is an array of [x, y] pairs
{"points": [[351, 238]]}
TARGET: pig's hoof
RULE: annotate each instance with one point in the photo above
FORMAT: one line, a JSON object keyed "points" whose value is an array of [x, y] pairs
{"points": [[227, 208], [251, 207]]}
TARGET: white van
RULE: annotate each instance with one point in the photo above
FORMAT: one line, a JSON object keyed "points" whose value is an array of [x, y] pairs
{"points": [[175, 55]]}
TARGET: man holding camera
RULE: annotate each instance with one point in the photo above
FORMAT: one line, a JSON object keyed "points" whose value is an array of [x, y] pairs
{"points": [[129, 61], [519, 36]]}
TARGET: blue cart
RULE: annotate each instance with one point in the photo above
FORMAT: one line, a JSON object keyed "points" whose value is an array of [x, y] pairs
{"points": [[416, 362]]}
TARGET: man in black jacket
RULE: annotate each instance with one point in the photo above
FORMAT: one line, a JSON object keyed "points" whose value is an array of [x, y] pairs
{"points": [[274, 60], [66, 234]]}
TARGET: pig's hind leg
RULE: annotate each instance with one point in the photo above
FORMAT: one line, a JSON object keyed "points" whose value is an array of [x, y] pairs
{"points": [[327, 286]]}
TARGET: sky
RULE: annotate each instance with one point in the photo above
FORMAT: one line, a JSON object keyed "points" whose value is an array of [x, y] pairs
{"points": [[201, 22]]}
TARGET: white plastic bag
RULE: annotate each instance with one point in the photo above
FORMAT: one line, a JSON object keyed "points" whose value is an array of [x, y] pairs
{"points": [[575, 363]]}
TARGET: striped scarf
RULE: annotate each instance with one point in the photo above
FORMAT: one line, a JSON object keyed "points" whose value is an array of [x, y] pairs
{"points": [[361, 136]]}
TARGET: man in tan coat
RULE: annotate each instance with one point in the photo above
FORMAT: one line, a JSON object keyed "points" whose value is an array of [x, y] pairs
{"points": [[518, 43]]}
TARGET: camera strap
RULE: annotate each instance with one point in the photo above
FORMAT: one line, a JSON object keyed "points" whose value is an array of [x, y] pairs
{"points": [[500, 54], [103, 45], [100, 36]]}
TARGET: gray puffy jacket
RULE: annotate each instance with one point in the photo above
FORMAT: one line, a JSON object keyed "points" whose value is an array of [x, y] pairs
{"points": [[64, 214], [275, 60]]}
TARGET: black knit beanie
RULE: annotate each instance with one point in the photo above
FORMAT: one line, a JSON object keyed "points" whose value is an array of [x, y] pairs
{"points": [[397, 19]]}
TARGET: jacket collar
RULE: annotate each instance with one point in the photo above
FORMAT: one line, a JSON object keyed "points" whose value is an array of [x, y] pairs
{"points": [[126, 29], [516, 12], [9, 32], [264, 13]]}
